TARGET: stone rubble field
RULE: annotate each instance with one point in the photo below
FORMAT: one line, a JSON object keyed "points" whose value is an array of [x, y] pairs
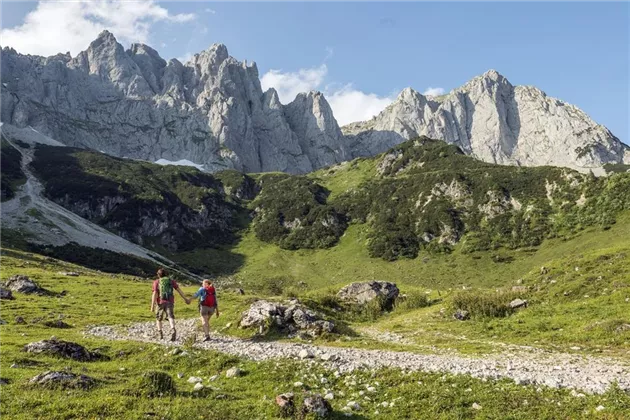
{"points": [[535, 367]]}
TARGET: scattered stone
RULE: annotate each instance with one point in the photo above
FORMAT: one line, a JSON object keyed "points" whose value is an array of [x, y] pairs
{"points": [[622, 328], [56, 379], [19, 320], [329, 396], [600, 408], [544, 270], [317, 405], [176, 351], [476, 406], [233, 372], [153, 384], [6, 294], [353, 405], [180, 375], [363, 292], [57, 324], [518, 303], [60, 348], [194, 380], [461, 315], [23, 284], [286, 404], [305, 354], [198, 386], [69, 273], [298, 384]]}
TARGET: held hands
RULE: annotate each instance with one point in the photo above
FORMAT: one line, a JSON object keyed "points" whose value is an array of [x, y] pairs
{"points": [[187, 301]]}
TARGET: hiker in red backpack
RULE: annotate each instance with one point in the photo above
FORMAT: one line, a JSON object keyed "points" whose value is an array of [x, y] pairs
{"points": [[164, 298], [208, 305]]}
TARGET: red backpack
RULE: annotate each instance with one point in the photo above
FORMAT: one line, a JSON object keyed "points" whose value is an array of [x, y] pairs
{"points": [[210, 299]]}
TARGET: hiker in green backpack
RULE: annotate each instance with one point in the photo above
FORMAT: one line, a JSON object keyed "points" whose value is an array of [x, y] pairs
{"points": [[164, 299]]}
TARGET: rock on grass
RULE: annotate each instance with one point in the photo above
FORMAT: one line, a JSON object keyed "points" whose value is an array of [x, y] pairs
{"points": [[64, 349], [60, 379]]}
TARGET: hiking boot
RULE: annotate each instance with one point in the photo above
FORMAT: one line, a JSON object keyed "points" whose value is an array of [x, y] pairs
{"points": [[173, 335], [207, 338], [161, 335]]}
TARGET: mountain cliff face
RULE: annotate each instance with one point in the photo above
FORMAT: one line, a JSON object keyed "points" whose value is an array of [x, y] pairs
{"points": [[212, 111], [496, 122], [133, 103]]}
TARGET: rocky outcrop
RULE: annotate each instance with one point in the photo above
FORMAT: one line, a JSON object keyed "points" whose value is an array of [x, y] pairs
{"points": [[361, 293], [64, 349], [496, 122], [210, 110], [62, 379], [291, 317], [22, 284]]}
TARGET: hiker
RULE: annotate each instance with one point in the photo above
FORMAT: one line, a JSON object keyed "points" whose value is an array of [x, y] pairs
{"points": [[208, 305], [164, 298]]}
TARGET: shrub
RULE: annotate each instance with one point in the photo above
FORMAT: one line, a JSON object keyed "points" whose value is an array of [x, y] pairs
{"points": [[412, 300], [485, 304], [155, 384]]}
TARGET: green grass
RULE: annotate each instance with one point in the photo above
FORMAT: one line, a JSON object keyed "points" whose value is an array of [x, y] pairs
{"points": [[97, 298]]}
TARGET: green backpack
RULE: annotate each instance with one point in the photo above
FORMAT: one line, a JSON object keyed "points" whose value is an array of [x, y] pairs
{"points": [[166, 288]]}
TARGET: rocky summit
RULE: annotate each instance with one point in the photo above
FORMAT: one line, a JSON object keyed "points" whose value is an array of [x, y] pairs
{"points": [[496, 122], [211, 111], [132, 103]]}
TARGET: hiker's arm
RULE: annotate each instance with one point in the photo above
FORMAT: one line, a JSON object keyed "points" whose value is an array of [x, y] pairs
{"points": [[153, 299], [216, 305], [183, 296]]}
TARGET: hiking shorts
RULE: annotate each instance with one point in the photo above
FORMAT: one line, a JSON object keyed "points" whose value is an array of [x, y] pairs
{"points": [[206, 310], [165, 308]]}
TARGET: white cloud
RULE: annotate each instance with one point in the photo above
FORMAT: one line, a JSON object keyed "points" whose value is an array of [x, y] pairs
{"points": [[433, 91], [211, 11], [329, 53], [348, 104], [54, 27], [184, 58], [289, 85]]}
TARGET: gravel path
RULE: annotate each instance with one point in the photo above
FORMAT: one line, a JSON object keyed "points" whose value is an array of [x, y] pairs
{"points": [[558, 370]]}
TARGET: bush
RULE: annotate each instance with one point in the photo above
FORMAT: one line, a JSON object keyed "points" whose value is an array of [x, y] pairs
{"points": [[485, 304], [155, 384], [412, 300]]}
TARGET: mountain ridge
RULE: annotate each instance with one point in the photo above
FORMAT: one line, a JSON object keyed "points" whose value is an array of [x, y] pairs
{"points": [[212, 111]]}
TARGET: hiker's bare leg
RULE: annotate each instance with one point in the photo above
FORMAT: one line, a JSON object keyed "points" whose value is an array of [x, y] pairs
{"points": [[206, 325], [158, 323]]}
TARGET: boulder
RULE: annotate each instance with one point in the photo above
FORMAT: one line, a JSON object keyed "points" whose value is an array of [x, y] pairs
{"points": [[233, 373], [64, 349], [461, 315], [57, 324], [23, 284], [57, 379], [518, 303], [364, 292], [286, 404], [6, 294], [317, 405], [306, 354], [291, 318]]}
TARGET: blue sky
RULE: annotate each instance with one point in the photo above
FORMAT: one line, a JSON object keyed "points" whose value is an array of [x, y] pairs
{"points": [[362, 54]]}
